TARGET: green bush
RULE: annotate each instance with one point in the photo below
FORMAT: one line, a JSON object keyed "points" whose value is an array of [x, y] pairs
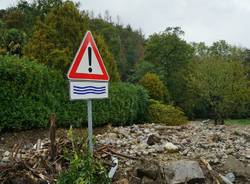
{"points": [[155, 87], [165, 114], [30, 92]]}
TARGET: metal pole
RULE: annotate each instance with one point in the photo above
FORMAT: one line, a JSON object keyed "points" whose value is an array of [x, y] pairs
{"points": [[90, 127]]}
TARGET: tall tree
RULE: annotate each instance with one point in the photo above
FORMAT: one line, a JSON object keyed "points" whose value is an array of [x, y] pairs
{"points": [[61, 32], [170, 54]]}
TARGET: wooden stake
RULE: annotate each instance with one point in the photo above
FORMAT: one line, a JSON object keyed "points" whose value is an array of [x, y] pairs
{"points": [[52, 134]]}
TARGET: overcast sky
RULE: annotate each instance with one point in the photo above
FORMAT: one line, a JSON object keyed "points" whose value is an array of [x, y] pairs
{"points": [[202, 20]]}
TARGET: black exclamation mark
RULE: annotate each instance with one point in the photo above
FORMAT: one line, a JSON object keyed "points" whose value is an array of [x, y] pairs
{"points": [[90, 58]]}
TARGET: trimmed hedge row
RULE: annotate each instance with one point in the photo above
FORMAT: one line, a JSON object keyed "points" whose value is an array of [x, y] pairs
{"points": [[30, 92]]}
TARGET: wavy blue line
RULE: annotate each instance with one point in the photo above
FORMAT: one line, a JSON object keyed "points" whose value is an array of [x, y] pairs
{"points": [[97, 93], [85, 87], [86, 90]]}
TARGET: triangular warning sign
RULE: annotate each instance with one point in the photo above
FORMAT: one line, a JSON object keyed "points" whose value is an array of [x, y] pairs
{"points": [[88, 63]]}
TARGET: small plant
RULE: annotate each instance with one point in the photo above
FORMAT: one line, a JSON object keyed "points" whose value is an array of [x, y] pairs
{"points": [[83, 168]]}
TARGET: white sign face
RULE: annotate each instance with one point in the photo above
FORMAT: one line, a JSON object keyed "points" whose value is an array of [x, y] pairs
{"points": [[86, 62], [80, 90]]}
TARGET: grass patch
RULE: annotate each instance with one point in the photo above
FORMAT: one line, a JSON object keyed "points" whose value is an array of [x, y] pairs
{"points": [[238, 121]]}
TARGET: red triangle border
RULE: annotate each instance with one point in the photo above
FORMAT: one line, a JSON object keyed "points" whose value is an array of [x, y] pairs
{"points": [[73, 75]]}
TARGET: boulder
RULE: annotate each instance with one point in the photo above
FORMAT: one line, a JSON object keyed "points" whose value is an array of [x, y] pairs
{"points": [[237, 167], [170, 147], [150, 169], [185, 171], [153, 139]]}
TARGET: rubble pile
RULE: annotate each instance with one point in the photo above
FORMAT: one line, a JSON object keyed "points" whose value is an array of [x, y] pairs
{"points": [[146, 154], [217, 145]]}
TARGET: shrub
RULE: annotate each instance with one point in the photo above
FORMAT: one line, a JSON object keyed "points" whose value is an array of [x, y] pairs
{"points": [[30, 92], [154, 86], [127, 103], [165, 114]]}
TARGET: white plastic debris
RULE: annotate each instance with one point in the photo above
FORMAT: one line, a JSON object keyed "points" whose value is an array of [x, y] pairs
{"points": [[114, 168]]}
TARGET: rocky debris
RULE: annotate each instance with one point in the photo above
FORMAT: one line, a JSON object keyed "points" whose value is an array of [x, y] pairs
{"points": [[172, 143], [226, 148]]}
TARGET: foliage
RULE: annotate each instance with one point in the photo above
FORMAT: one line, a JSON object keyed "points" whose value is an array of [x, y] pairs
{"points": [[154, 86], [62, 30], [170, 54], [126, 45], [14, 41], [83, 168], [220, 84], [238, 121], [127, 104], [165, 114], [141, 68], [108, 59], [30, 92]]}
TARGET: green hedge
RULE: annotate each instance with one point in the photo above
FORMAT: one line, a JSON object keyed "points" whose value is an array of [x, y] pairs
{"points": [[126, 104], [30, 92]]}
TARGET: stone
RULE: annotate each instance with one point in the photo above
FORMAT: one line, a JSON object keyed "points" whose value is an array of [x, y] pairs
{"points": [[170, 147], [135, 180], [5, 159], [146, 180], [236, 166], [112, 135], [122, 181], [150, 169], [6, 154], [158, 148], [230, 176], [153, 139], [185, 171]]}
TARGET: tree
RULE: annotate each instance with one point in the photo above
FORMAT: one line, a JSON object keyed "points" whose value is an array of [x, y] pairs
{"points": [[170, 54], [221, 84], [61, 31], [108, 59]]}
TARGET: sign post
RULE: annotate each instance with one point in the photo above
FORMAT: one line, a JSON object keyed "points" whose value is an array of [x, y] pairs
{"points": [[90, 127], [88, 78]]}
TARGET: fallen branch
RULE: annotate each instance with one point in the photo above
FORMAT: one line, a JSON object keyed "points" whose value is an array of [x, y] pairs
{"points": [[122, 155], [211, 171]]}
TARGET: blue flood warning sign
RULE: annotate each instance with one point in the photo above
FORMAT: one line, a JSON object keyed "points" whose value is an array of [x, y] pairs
{"points": [[88, 90]]}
